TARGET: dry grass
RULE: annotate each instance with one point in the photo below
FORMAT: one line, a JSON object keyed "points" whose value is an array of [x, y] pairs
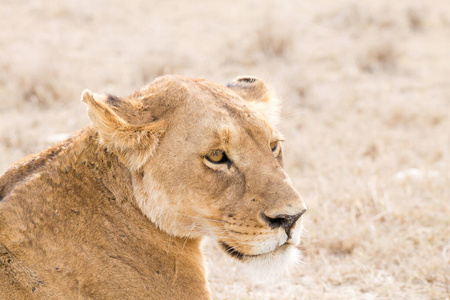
{"points": [[366, 115]]}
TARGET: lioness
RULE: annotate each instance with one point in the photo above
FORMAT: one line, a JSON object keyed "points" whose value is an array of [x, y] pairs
{"points": [[117, 211]]}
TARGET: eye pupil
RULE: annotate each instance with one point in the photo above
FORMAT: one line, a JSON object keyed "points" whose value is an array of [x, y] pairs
{"points": [[217, 157]]}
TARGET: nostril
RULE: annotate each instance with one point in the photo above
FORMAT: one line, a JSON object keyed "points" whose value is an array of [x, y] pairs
{"points": [[275, 222], [284, 221]]}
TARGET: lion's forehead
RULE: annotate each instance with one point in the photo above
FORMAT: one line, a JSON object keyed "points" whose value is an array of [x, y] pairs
{"points": [[227, 133], [201, 103], [220, 123]]}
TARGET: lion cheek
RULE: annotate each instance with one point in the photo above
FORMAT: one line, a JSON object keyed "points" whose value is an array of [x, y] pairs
{"points": [[163, 209]]}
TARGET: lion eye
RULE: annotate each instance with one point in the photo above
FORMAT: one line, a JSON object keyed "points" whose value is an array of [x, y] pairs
{"points": [[217, 157], [274, 146]]}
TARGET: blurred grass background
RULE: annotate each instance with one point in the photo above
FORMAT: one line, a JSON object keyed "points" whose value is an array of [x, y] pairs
{"points": [[366, 93]]}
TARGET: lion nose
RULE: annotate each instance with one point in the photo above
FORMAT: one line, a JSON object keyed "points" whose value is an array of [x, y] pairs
{"points": [[284, 221]]}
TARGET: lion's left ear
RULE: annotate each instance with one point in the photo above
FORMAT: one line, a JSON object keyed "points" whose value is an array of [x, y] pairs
{"points": [[258, 96], [134, 144]]}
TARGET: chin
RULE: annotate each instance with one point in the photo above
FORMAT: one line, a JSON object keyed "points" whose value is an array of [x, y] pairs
{"points": [[271, 265]]}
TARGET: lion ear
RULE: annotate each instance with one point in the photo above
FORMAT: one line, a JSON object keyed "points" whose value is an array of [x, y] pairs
{"points": [[134, 144], [258, 96]]}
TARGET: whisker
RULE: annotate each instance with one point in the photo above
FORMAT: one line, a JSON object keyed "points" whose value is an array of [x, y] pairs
{"points": [[205, 230], [185, 241], [201, 218]]}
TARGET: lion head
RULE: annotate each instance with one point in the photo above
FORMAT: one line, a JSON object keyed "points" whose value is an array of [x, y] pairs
{"points": [[206, 160]]}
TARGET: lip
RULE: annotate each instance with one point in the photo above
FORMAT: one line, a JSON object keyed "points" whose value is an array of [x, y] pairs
{"points": [[241, 256], [233, 252]]}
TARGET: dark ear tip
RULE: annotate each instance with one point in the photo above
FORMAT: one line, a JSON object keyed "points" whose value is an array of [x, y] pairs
{"points": [[242, 81], [246, 79], [250, 88], [113, 100]]}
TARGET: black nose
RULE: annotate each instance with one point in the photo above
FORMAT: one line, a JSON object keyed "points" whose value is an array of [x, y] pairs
{"points": [[284, 221]]}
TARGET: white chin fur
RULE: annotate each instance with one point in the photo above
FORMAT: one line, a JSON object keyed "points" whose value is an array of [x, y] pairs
{"points": [[273, 265]]}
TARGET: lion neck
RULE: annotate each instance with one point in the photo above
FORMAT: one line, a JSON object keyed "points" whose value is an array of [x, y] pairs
{"points": [[105, 167], [83, 195], [117, 179]]}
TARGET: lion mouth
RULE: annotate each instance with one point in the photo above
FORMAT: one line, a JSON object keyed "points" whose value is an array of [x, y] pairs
{"points": [[233, 252], [241, 256]]}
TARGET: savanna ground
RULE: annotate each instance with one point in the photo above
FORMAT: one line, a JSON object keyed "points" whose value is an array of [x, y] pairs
{"points": [[366, 92]]}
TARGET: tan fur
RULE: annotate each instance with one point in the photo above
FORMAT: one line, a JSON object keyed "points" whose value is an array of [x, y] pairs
{"points": [[118, 210]]}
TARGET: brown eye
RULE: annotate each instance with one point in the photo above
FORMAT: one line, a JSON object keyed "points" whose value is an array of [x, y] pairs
{"points": [[274, 146], [217, 157]]}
